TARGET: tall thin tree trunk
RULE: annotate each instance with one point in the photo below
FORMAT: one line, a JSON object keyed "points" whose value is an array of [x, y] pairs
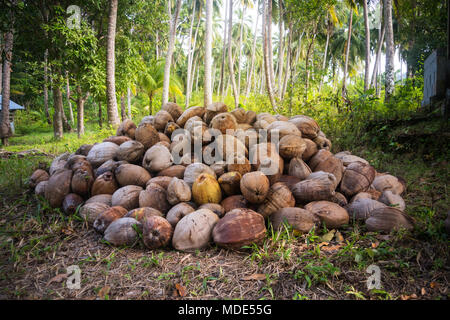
{"points": [[47, 113], [347, 53], [240, 52], [100, 116], [224, 50], [266, 55], [123, 113], [249, 81], [170, 49], [72, 121], [377, 58], [324, 63], [207, 89], [80, 112], [190, 57], [288, 61], [5, 126], [157, 45], [280, 50], [270, 46], [113, 114], [230, 55], [308, 54], [58, 114], [129, 102], [389, 85], [367, 66]]}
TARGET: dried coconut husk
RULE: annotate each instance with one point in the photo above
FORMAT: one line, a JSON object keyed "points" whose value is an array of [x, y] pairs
{"points": [[289, 181], [358, 177], [194, 231], [298, 168], [147, 135], [109, 165], [178, 191], [347, 158], [173, 171], [301, 220], [214, 207], [388, 182], [58, 186], [329, 213], [104, 184], [122, 232], [310, 151], [81, 183], [194, 170], [278, 197], [254, 186], [323, 143], [291, 146], [219, 168], [105, 218], [148, 119], [154, 196], [224, 122], [163, 138], [127, 128], [307, 126], [272, 167], [84, 149], [239, 228], [387, 219], [131, 174], [368, 194], [40, 188], [239, 163], [281, 129], [140, 213], [324, 160], [157, 232], [234, 202], [91, 211], [244, 117], [71, 202], [214, 109], [177, 212], [174, 109], [189, 113], [339, 198], [101, 198], [58, 163], [393, 200], [228, 146], [102, 152], [162, 117], [127, 197], [362, 208], [157, 158], [230, 183], [130, 151], [313, 190], [163, 181], [325, 176], [38, 175], [117, 139], [170, 128]]}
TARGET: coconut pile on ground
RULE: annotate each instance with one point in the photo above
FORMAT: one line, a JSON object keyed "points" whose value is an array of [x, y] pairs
{"points": [[224, 178]]}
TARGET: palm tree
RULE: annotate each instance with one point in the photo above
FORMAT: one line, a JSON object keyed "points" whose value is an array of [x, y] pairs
{"points": [[208, 53], [266, 51], [389, 90], [230, 55], [352, 5], [366, 25], [113, 114], [170, 49]]}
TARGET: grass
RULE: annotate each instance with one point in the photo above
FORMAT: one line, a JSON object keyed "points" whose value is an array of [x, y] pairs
{"points": [[37, 243]]}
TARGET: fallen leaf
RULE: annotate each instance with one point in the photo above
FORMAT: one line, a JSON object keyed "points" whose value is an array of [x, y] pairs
{"points": [[327, 237], [375, 244], [58, 278], [103, 292], [323, 244], [434, 285], [180, 290], [414, 296], [68, 231], [338, 237], [423, 291], [331, 248], [255, 276]]}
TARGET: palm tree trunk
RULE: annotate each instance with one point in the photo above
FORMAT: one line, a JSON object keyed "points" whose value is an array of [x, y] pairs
{"points": [[347, 53], [230, 55], [150, 103], [58, 114], [156, 45], [100, 119], [5, 126], [389, 85], [249, 81], [207, 89], [72, 121], [47, 113], [170, 49], [80, 112], [280, 50], [123, 113], [240, 51], [224, 50], [190, 56], [288, 61], [324, 63], [270, 46], [367, 66], [266, 55], [113, 115], [377, 58], [129, 102]]}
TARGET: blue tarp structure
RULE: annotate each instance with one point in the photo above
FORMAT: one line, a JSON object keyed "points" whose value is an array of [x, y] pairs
{"points": [[12, 105]]}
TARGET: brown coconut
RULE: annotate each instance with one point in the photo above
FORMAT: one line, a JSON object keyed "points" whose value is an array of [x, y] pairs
{"points": [[358, 177], [58, 186], [104, 184], [84, 149], [194, 170], [388, 182], [387, 219], [147, 135], [163, 181], [234, 202], [140, 213], [329, 213], [123, 232], [298, 168], [117, 139], [130, 151], [154, 196], [91, 211], [170, 128], [239, 228], [313, 190], [254, 186], [40, 188], [214, 207], [291, 146], [102, 198], [102, 152], [289, 181], [230, 183], [281, 129], [189, 113], [278, 197], [362, 208], [177, 212], [174, 109], [82, 181], [178, 191], [157, 232], [393, 200], [58, 163], [157, 158], [127, 128], [38, 176], [324, 160], [310, 151], [301, 220], [127, 197], [173, 171], [214, 109], [224, 122], [238, 163], [307, 125], [162, 117], [131, 174], [71, 202], [105, 218]]}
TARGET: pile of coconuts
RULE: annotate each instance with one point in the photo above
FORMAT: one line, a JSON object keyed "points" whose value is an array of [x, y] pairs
{"points": [[142, 184]]}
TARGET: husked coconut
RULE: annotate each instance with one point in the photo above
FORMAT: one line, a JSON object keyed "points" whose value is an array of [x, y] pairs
{"points": [[140, 213], [254, 186], [178, 191], [393, 200], [58, 186], [130, 151], [157, 232], [130, 174], [91, 211], [127, 197], [147, 135], [330, 213], [278, 197], [127, 128], [177, 212], [105, 218], [123, 232], [157, 158], [301, 220], [104, 184], [154, 196], [102, 152], [38, 176], [362, 208]]}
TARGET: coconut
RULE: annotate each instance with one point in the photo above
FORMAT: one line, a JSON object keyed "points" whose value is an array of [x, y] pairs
{"points": [[173, 171], [170, 128], [157, 232], [387, 182], [84, 149], [369, 194], [228, 146], [313, 190], [109, 165], [154, 196], [178, 191], [147, 135], [127, 197], [177, 212], [58, 186], [278, 197], [388, 219], [239, 228], [189, 113], [230, 183], [140, 213], [310, 151], [194, 231], [82, 181], [219, 168], [331, 214], [117, 139], [393, 200], [130, 174], [38, 176], [58, 163], [339, 198], [105, 218], [130, 151], [102, 152], [194, 170], [244, 117], [206, 189], [104, 184], [357, 177], [165, 140], [291, 146], [234, 202], [289, 181], [162, 117], [224, 122], [40, 188], [324, 160], [272, 167], [301, 220], [91, 211], [161, 181], [157, 158], [298, 168], [362, 208], [214, 207], [254, 186], [347, 158], [102, 198], [238, 163], [214, 109], [281, 129], [307, 125], [127, 128], [122, 232], [324, 176], [71, 202], [148, 119]]}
